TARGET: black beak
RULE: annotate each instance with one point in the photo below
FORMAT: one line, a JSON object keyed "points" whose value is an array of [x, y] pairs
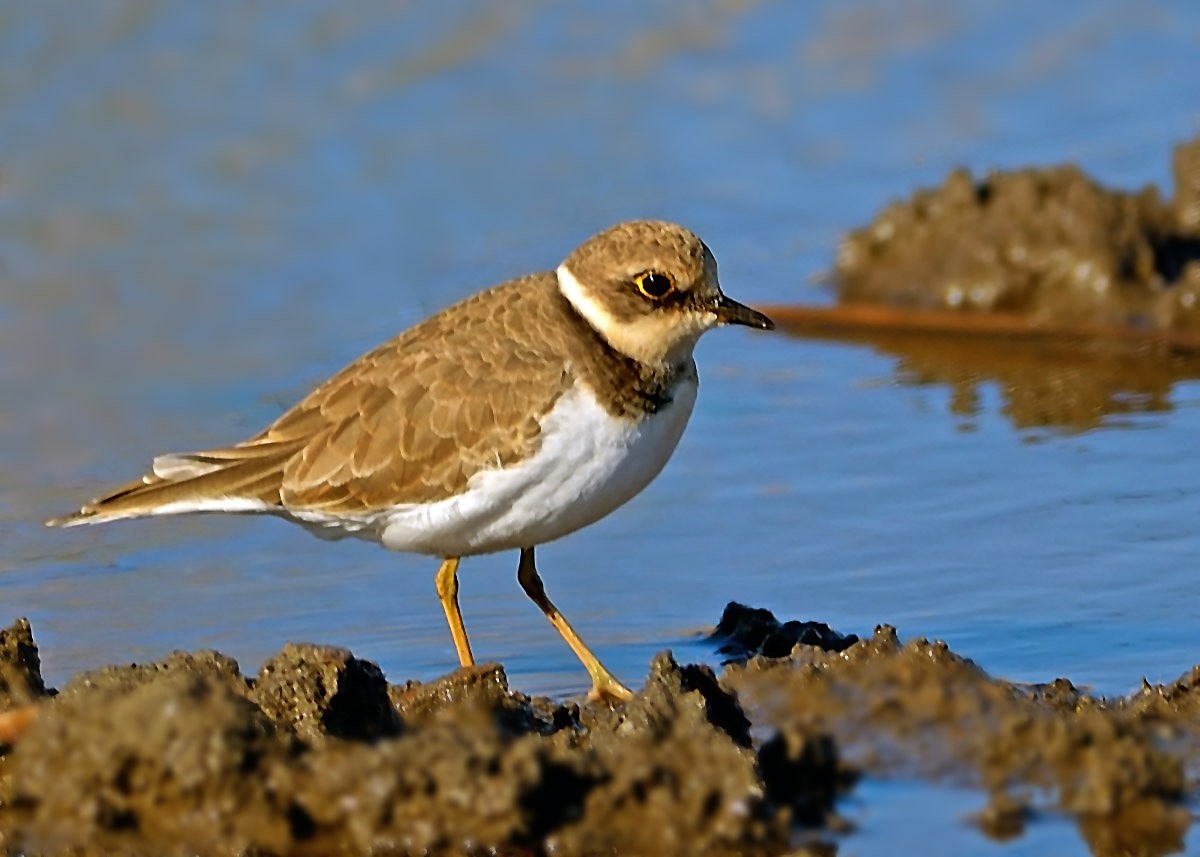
{"points": [[729, 311]]}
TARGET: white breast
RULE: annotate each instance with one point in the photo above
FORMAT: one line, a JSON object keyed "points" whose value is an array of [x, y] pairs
{"points": [[588, 463]]}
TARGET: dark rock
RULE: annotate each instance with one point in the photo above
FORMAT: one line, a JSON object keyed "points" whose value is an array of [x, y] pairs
{"points": [[744, 632]]}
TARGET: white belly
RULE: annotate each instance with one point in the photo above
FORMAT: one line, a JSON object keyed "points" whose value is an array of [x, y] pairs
{"points": [[588, 463]]}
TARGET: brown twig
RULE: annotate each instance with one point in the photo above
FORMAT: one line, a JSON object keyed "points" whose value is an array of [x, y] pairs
{"points": [[850, 319]]}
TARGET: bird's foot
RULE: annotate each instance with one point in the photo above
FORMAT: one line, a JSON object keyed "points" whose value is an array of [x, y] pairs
{"points": [[605, 688]]}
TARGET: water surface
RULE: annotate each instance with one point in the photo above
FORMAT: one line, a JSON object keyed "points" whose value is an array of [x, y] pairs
{"points": [[206, 209]]}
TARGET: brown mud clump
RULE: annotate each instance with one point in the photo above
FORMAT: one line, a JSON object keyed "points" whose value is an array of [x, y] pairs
{"points": [[20, 667], [1050, 243], [1120, 767], [318, 755], [1076, 301]]}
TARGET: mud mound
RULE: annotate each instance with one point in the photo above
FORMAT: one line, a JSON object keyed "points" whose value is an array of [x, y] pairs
{"points": [[318, 756], [1076, 303], [919, 710], [1048, 242], [20, 667]]}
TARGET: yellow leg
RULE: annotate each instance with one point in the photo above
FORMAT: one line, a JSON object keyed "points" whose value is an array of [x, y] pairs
{"points": [[604, 685], [447, 590]]}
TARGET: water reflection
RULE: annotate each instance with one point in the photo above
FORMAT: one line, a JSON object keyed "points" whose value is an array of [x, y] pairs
{"points": [[1068, 382]]}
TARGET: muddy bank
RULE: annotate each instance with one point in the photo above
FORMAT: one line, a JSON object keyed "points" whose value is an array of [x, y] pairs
{"points": [[1077, 301], [317, 754], [1121, 767], [1048, 242]]}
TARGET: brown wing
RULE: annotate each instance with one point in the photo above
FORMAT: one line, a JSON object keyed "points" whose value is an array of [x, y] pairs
{"points": [[409, 422], [413, 420]]}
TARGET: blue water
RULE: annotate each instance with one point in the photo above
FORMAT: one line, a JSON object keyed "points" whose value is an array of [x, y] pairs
{"points": [[207, 208]]}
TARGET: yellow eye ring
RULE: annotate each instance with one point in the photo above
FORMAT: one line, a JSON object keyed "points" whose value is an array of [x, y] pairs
{"points": [[654, 284]]}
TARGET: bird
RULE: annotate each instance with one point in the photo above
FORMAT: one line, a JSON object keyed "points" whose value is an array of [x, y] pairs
{"points": [[505, 421]]}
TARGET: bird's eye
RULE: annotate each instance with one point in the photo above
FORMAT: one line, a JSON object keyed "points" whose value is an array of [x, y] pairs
{"points": [[654, 284]]}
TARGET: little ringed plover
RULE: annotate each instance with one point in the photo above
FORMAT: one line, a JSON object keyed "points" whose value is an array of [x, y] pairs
{"points": [[508, 420]]}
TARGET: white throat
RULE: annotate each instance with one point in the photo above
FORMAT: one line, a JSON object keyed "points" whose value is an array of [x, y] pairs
{"points": [[656, 340]]}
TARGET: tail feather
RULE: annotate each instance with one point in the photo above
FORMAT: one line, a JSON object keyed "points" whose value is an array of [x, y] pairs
{"points": [[244, 478]]}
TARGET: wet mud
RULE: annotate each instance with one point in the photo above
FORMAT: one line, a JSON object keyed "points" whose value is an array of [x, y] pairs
{"points": [[1049, 242], [1121, 767], [1099, 287], [318, 754]]}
